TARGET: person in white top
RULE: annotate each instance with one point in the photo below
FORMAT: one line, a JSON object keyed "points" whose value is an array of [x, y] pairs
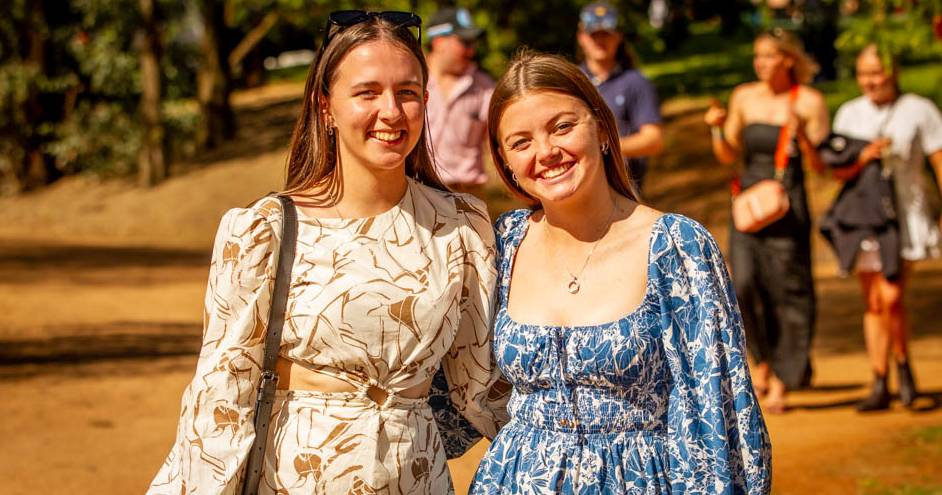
{"points": [[903, 130]]}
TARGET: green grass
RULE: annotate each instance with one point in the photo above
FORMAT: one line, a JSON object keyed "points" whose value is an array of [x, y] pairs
{"points": [[706, 64], [871, 487], [296, 73], [709, 64], [915, 447]]}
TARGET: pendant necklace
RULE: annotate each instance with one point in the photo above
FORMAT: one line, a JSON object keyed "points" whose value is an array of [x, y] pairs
{"points": [[573, 286]]}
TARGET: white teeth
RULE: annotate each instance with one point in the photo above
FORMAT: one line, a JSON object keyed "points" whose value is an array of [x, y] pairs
{"points": [[387, 136], [555, 171]]}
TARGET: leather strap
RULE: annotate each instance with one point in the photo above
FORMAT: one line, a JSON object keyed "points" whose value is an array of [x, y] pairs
{"points": [[781, 147], [276, 320]]}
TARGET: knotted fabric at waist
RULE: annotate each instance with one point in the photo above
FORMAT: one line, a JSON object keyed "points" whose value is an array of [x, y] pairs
{"points": [[331, 384]]}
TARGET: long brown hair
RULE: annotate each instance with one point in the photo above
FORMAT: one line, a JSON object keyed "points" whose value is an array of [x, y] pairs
{"points": [[312, 159], [531, 72]]}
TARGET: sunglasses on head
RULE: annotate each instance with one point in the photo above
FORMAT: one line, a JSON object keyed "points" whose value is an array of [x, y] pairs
{"points": [[346, 18]]}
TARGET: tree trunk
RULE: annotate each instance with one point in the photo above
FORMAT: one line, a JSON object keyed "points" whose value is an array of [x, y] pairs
{"points": [[36, 168], [152, 168], [213, 80]]}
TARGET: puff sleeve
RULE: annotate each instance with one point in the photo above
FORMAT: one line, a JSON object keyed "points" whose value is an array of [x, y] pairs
{"points": [[216, 430], [475, 386], [718, 443]]}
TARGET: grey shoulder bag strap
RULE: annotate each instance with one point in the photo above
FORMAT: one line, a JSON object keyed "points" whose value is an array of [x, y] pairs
{"points": [[276, 320]]}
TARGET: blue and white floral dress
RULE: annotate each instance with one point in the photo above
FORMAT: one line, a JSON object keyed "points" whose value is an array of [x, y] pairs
{"points": [[656, 402]]}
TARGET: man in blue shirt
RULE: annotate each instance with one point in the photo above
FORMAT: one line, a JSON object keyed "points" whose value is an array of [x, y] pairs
{"points": [[629, 95]]}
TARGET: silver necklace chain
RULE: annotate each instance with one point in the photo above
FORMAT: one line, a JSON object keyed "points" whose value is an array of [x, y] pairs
{"points": [[574, 285]]}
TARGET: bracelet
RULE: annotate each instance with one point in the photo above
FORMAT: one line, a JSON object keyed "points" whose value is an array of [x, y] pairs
{"points": [[716, 132]]}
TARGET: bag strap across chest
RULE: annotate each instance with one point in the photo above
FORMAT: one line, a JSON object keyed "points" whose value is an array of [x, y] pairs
{"points": [[781, 147]]}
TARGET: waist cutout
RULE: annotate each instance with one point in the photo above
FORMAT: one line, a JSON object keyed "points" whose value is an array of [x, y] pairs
{"points": [[334, 383]]}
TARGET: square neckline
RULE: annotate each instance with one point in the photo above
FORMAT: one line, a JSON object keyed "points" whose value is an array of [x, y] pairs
{"points": [[646, 299]]}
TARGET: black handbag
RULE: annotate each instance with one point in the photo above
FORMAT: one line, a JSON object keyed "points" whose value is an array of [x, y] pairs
{"points": [[458, 435]]}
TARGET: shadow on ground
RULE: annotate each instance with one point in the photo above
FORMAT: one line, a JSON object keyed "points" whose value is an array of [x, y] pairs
{"points": [[115, 340], [24, 263]]}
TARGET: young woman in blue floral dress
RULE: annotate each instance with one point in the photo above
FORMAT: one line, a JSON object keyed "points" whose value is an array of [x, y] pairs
{"points": [[616, 324]]}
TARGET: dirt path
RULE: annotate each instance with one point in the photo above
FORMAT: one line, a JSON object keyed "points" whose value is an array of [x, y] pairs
{"points": [[98, 334]]}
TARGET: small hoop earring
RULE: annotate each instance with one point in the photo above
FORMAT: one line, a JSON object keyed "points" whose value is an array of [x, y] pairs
{"points": [[514, 177], [605, 148], [330, 130]]}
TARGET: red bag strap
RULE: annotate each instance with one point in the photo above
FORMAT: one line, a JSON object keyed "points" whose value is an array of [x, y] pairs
{"points": [[781, 148]]}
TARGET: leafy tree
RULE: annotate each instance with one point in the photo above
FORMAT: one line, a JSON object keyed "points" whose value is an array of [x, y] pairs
{"points": [[36, 86], [899, 28]]}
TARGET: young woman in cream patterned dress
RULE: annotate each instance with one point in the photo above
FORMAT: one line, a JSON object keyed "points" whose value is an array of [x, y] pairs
{"points": [[392, 279]]}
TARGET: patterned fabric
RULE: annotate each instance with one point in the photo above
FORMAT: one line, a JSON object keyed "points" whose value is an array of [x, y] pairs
{"points": [[379, 302], [659, 401], [458, 434]]}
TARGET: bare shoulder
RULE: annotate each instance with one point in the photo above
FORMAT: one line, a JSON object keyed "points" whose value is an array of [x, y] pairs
{"points": [[639, 224], [745, 91], [811, 98]]}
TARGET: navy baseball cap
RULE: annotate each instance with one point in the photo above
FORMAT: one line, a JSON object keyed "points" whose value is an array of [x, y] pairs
{"points": [[598, 16], [450, 21]]}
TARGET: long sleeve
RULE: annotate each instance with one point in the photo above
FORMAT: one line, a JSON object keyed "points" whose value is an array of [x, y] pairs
{"points": [[718, 443], [469, 365], [215, 430]]}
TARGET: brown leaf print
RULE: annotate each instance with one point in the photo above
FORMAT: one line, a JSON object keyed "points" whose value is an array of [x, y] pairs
{"points": [[258, 331], [463, 207], [420, 468], [225, 417], [406, 277], [336, 432], [268, 206], [308, 465], [403, 313], [230, 253], [365, 228], [360, 487]]}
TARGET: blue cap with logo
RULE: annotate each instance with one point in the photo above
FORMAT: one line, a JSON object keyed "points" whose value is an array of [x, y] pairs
{"points": [[450, 21], [598, 16]]}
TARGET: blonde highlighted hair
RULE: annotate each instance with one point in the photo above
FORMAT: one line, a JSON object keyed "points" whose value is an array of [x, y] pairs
{"points": [[789, 45]]}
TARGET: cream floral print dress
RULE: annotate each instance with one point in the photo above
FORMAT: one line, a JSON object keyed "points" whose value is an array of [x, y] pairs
{"points": [[379, 302]]}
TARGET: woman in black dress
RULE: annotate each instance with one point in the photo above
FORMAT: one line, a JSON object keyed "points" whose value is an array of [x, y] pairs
{"points": [[772, 267]]}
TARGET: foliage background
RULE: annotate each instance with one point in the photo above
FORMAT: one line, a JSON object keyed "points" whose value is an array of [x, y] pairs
{"points": [[71, 80]]}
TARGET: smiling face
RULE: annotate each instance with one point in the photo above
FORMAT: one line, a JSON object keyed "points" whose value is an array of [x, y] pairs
{"points": [[769, 61], [550, 141], [873, 79], [377, 106]]}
